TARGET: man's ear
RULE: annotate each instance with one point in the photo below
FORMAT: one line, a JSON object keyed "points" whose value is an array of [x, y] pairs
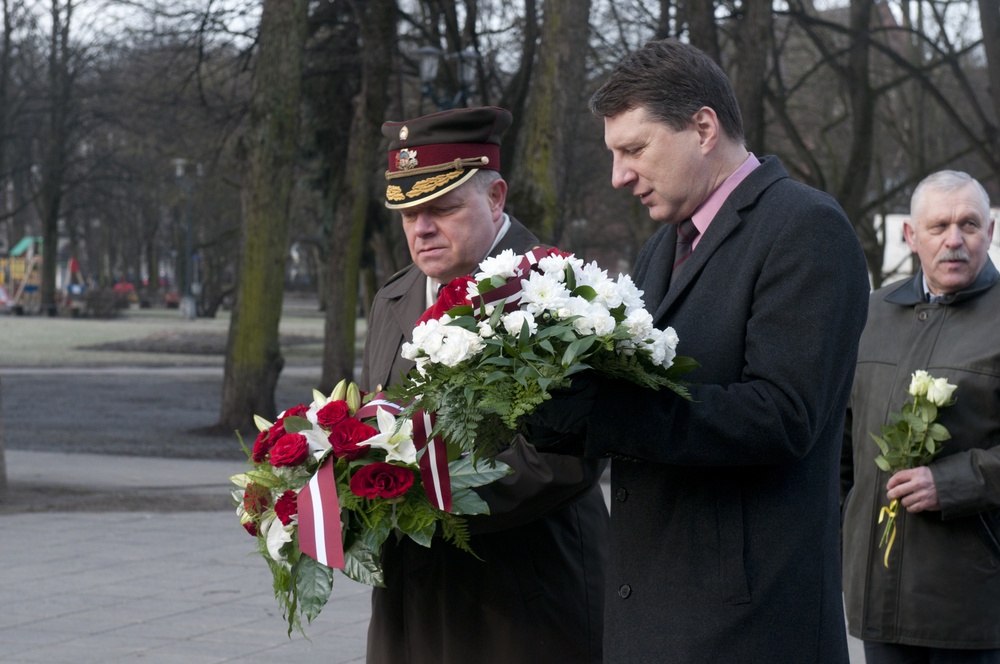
{"points": [[706, 122], [910, 234], [497, 195]]}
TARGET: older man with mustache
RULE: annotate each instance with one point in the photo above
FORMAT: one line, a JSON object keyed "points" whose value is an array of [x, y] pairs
{"points": [[936, 598]]}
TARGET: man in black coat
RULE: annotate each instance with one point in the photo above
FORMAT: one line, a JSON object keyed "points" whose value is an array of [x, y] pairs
{"points": [[724, 517], [536, 591]]}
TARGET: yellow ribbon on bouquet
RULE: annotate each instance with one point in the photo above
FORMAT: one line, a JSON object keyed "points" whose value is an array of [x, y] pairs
{"points": [[890, 527]]}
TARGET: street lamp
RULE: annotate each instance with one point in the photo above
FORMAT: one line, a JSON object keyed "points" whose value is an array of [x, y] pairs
{"points": [[465, 71], [187, 305]]}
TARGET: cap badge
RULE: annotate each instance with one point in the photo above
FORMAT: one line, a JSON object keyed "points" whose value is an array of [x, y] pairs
{"points": [[404, 133], [406, 159]]}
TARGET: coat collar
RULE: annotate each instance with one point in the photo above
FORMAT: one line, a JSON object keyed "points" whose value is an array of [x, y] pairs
{"points": [[911, 291], [726, 221]]}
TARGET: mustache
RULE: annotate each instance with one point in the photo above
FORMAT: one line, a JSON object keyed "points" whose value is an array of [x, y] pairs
{"points": [[954, 255]]}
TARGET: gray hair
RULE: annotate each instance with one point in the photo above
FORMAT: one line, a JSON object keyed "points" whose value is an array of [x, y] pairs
{"points": [[947, 181]]}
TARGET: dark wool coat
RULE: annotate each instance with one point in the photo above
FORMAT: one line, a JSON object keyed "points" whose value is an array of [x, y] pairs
{"points": [[725, 520], [942, 586], [537, 594]]}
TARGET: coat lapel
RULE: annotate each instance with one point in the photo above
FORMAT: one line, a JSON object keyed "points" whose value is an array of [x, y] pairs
{"points": [[725, 223]]}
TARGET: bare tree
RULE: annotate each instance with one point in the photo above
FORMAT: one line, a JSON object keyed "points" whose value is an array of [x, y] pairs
{"points": [[253, 354], [377, 20], [547, 126]]}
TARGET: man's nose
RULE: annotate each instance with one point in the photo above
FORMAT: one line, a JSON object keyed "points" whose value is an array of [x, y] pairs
{"points": [[953, 236], [424, 224], [621, 176]]}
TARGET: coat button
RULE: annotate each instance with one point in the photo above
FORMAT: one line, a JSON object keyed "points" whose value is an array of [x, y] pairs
{"points": [[624, 591], [621, 494], [922, 316]]}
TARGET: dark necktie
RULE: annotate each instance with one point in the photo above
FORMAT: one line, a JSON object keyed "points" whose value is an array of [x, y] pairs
{"points": [[686, 234]]}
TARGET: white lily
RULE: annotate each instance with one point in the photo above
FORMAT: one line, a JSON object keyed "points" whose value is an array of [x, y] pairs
{"points": [[396, 441]]}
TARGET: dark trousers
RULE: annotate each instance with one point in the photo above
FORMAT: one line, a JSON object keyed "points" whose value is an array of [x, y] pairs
{"points": [[894, 653]]}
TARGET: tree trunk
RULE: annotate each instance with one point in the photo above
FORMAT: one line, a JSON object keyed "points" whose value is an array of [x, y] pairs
{"points": [[253, 354], [854, 187], [702, 31], [548, 123], [54, 164], [989, 15], [378, 27], [753, 43]]}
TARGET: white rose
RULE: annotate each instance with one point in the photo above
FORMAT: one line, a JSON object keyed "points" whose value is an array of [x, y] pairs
{"points": [[919, 383], [939, 392]]}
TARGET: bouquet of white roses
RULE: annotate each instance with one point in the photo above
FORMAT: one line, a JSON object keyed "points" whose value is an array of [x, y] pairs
{"points": [[332, 480], [913, 439], [494, 345]]}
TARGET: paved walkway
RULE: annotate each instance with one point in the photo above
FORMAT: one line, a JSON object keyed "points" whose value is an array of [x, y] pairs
{"points": [[154, 587]]}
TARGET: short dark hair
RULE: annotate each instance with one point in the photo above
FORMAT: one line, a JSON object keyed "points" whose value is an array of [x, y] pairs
{"points": [[672, 81]]}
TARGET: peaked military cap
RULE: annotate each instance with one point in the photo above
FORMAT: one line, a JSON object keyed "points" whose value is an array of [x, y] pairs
{"points": [[434, 154]]}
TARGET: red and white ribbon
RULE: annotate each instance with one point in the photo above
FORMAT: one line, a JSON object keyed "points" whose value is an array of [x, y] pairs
{"points": [[370, 409], [434, 462], [510, 292], [319, 518]]}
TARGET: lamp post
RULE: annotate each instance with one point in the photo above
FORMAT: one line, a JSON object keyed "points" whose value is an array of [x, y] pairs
{"points": [[187, 305], [465, 74]]}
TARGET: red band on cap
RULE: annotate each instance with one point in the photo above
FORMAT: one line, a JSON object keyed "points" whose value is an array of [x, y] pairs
{"points": [[444, 153]]}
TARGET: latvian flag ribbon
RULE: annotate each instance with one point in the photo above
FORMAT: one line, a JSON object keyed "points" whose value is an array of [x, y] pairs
{"points": [[319, 518], [510, 292], [433, 462]]}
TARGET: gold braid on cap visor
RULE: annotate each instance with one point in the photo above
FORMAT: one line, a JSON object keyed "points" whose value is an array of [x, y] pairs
{"points": [[458, 164]]}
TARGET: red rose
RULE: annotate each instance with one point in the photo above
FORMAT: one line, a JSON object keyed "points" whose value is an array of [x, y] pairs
{"points": [[256, 499], [381, 480], [295, 411], [455, 294], [287, 506], [275, 432], [332, 414], [261, 447], [290, 450], [345, 438], [251, 527]]}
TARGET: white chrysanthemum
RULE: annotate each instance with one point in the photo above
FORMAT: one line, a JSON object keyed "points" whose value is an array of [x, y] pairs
{"points": [[639, 323], [515, 320], [554, 266], [457, 345], [631, 296], [503, 265], [485, 330], [543, 292], [593, 319], [671, 338], [662, 347]]}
